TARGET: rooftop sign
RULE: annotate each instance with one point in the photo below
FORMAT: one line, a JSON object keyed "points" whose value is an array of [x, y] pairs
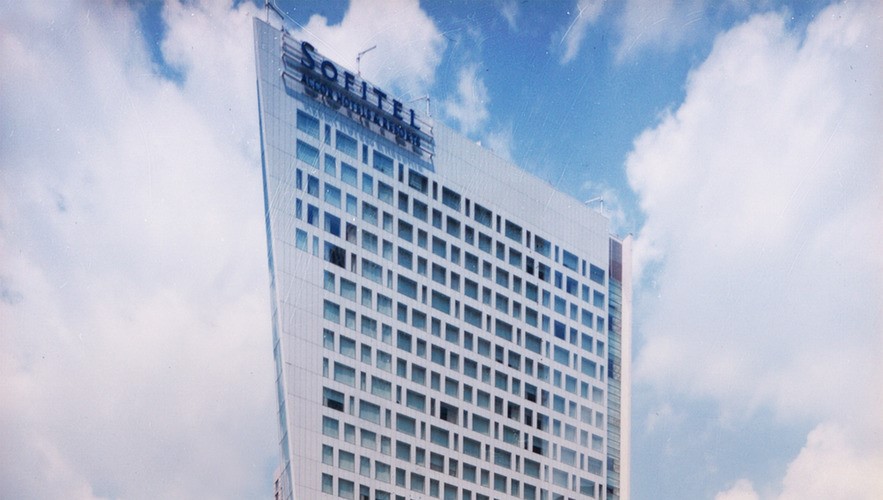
{"points": [[305, 70]]}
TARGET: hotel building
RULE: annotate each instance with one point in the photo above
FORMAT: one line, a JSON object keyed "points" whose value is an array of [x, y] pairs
{"points": [[445, 325]]}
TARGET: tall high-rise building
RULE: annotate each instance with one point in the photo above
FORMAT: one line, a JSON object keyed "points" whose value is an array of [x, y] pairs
{"points": [[445, 325]]}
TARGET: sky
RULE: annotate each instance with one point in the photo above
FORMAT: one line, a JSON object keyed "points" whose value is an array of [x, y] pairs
{"points": [[739, 142]]}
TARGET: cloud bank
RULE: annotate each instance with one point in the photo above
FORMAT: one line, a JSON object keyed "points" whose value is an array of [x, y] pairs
{"points": [[135, 356], [762, 200]]}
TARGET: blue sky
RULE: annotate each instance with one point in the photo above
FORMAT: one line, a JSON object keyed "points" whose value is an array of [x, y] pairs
{"points": [[739, 142]]}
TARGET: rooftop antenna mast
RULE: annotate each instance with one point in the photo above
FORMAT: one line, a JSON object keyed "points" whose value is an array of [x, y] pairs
{"points": [[428, 113], [359, 59], [593, 200], [271, 6]]}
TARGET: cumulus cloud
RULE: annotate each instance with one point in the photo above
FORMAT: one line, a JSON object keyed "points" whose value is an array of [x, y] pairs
{"points": [[409, 45], [661, 23], [742, 490], [469, 107], [584, 13], [135, 357], [762, 200], [830, 466]]}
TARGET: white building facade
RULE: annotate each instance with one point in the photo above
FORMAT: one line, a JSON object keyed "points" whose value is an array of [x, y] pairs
{"points": [[445, 325]]}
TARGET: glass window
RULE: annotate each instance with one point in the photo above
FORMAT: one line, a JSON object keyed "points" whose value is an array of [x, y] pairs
{"points": [[335, 255], [313, 186], [484, 242], [418, 482], [451, 198], [418, 374], [348, 174], [502, 278], [472, 262], [420, 210], [307, 154], [570, 261], [345, 489], [438, 274], [513, 231], [406, 424], [344, 374], [597, 299], [406, 231], [596, 274], [369, 412], [307, 124], [483, 215], [472, 448], [403, 341], [418, 181], [369, 213], [327, 484], [439, 436], [332, 399], [384, 305], [481, 425], [403, 202], [406, 286], [367, 184], [586, 319], [453, 227], [332, 224], [327, 455], [372, 271], [381, 472], [331, 311], [381, 387], [346, 144], [502, 458], [415, 400], [330, 165], [384, 361], [542, 246], [470, 288], [330, 427], [384, 192], [346, 460], [384, 164], [441, 302]]}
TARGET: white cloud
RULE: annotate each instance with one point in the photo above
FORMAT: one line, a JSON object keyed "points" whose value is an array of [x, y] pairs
{"points": [[762, 200], [584, 13], [663, 23], [469, 107], [409, 45], [831, 466], [135, 357], [510, 11], [742, 490], [501, 142]]}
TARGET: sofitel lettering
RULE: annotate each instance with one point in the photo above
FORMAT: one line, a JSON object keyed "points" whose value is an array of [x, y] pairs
{"points": [[329, 71]]}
